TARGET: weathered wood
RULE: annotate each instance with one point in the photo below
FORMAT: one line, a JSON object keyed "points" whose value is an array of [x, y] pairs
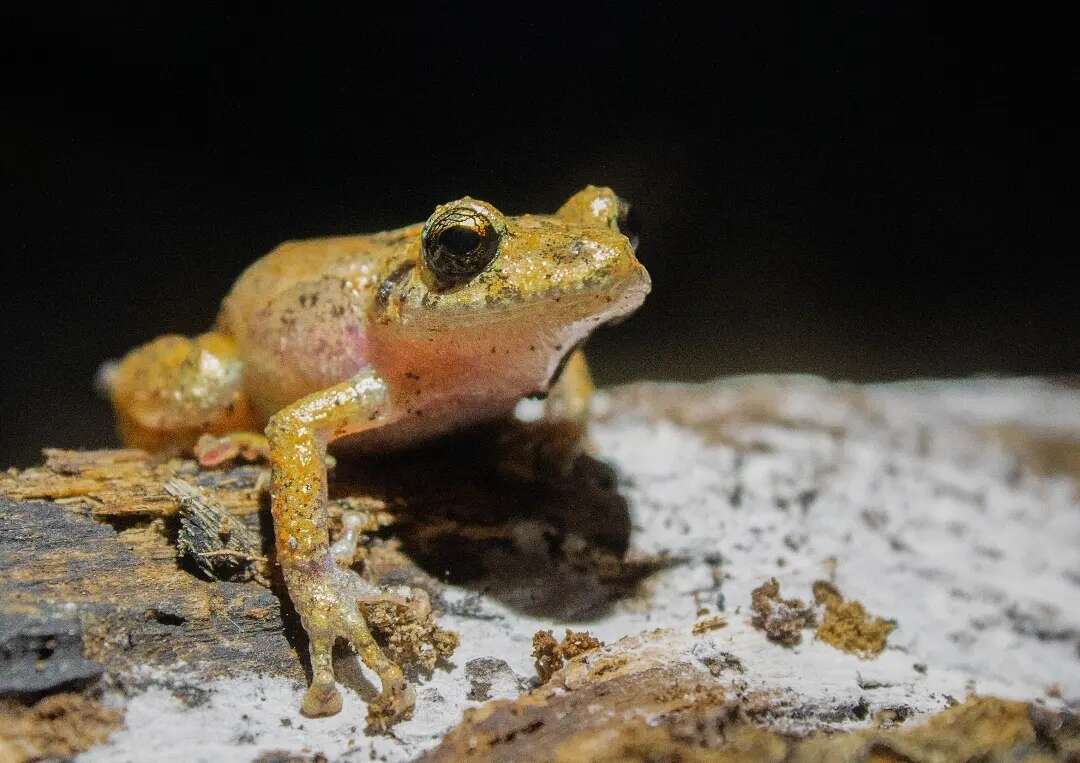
{"points": [[119, 484], [106, 547], [646, 699], [929, 531], [134, 604], [215, 541]]}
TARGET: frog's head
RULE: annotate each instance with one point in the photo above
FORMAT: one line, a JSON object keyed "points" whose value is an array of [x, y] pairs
{"points": [[476, 265]]}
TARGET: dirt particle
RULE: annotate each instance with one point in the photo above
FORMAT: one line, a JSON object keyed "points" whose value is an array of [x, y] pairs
{"points": [[709, 624], [847, 625], [781, 619], [545, 654], [408, 638], [720, 662], [549, 655]]}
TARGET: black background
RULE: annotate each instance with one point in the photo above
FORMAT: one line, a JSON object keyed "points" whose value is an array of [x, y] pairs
{"points": [[868, 192]]}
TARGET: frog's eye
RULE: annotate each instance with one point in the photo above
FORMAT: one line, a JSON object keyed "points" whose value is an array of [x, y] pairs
{"points": [[629, 223], [459, 244]]}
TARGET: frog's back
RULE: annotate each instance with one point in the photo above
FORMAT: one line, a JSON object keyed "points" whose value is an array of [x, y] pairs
{"points": [[299, 314], [361, 260]]}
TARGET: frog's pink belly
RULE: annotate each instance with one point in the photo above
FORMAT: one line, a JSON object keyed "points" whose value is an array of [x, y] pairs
{"points": [[420, 425], [306, 339]]}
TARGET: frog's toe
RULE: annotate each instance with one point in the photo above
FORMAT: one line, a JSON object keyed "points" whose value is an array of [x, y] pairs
{"points": [[321, 701], [338, 603]]}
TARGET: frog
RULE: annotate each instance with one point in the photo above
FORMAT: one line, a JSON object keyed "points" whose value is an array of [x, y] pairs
{"points": [[380, 342]]}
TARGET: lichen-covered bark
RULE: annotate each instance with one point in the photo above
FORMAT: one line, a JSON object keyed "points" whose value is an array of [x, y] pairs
{"points": [[639, 701], [930, 529]]}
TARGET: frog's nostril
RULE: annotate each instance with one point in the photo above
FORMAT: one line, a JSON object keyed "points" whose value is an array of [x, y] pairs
{"points": [[629, 221]]}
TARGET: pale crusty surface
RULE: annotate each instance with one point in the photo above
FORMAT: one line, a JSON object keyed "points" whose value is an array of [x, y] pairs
{"points": [[947, 509]]}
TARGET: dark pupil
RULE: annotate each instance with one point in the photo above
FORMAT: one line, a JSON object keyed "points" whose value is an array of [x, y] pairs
{"points": [[459, 245], [459, 240]]}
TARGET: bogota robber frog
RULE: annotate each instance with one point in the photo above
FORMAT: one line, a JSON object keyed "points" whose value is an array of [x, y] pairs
{"points": [[386, 339]]}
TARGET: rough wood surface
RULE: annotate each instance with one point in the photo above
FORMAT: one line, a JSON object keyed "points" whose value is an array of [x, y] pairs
{"points": [[929, 530]]}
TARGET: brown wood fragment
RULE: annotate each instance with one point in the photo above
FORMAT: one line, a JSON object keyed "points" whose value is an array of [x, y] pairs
{"points": [[55, 727], [130, 483], [215, 541], [590, 695], [707, 624]]}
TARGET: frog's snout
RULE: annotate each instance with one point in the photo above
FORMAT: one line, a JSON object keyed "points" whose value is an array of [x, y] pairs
{"points": [[645, 281], [635, 275], [624, 283], [638, 286]]}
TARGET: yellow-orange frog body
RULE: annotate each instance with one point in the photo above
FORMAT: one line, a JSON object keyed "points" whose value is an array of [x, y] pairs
{"points": [[388, 340]]}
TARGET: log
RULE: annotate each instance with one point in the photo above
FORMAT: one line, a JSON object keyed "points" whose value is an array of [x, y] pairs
{"points": [[777, 568]]}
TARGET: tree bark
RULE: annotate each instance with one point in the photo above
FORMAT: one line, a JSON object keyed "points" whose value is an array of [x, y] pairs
{"points": [[922, 538]]}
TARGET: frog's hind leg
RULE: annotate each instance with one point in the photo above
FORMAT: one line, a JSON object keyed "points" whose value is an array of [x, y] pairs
{"points": [[214, 450], [172, 390]]}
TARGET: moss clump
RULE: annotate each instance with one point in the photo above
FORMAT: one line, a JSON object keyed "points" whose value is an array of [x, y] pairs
{"points": [[847, 625]]}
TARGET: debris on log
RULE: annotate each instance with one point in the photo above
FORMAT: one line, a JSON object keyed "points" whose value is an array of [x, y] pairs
{"points": [[782, 620], [847, 625], [549, 655], [947, 514], [220, 545], [636, 701]]}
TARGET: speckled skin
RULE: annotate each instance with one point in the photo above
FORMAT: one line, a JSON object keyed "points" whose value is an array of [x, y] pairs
{"points": [[355, 337]]}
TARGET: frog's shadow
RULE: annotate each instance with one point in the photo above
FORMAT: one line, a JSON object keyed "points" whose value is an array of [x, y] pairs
{"points": [[554, 547]]}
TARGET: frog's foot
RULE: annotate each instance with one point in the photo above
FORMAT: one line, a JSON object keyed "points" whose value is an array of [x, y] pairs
{"points": [[332, 602], [212, 450]]}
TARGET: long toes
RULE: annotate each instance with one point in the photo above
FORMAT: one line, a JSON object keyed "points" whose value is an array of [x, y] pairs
{"points": [[320, 701]]}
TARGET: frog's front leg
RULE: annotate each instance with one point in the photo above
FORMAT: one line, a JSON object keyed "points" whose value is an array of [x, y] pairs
{"points": [[326, 596]]}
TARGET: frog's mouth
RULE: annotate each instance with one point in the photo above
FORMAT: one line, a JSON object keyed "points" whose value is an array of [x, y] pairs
{"points": [[632, 297], [594, 303]]}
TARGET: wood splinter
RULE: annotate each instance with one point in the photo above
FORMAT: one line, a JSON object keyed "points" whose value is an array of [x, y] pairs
{"points": [[220, 545]]}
